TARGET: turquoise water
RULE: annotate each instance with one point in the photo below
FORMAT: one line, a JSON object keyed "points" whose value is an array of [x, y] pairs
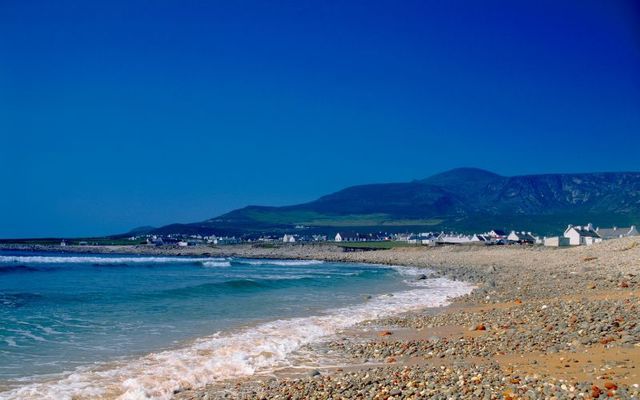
{"points": [[102, 320]]}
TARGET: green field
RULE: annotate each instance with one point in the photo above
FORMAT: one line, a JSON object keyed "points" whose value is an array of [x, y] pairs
{"points": [[312, 218]]}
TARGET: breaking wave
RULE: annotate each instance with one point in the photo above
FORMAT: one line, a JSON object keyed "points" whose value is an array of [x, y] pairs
{"points": [[103, 260], [230, 355], [121, 261], [220, 263], [280, 262]]}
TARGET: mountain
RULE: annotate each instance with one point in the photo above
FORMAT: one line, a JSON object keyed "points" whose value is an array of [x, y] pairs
{"points": [[463, 199], [141, 230]]}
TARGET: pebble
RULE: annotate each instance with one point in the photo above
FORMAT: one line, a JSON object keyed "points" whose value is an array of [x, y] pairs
{"points": [[543, 314]]}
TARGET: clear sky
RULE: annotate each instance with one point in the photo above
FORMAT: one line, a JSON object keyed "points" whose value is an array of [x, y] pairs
{"points": [[116, 114]]}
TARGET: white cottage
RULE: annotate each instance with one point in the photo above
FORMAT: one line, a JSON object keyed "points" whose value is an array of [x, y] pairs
{"points": [[288, 239], [346, 237], [497, 234], [453, 239], [582, 235], [521, 237], [480, 238]]}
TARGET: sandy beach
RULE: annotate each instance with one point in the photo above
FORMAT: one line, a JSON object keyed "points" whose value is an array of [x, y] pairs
{"points": [[542, 323]]}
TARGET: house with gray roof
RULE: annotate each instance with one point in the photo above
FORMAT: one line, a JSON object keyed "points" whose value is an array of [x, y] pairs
{"points": [[582, 235], [347, 237], [521, 237], [497, 234], [617, 232]]}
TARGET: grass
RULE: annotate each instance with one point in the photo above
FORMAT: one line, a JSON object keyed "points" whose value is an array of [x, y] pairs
{"points": [[312, 218]]}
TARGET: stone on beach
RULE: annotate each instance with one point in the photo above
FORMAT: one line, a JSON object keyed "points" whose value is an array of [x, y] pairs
{"points": [[530, 330]]}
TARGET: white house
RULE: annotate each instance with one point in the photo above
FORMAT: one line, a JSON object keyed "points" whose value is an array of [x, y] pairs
{"points": [[479, 238], [521, 237], [453, 239], [617, 232], [288, 239], [227, 240], [582, 235], [212, 239], [402, 237], [428, 238], [497, 234], [346, 237]]}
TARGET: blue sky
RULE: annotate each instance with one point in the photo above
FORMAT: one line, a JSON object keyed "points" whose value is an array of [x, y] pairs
{"points": [[116, 114]]}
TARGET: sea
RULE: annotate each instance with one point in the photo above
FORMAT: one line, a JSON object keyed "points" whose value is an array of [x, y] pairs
{"points": [[142, 327]]}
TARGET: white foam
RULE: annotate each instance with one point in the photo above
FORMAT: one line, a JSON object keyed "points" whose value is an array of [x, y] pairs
{"points": [[219, 356], [102, 260], [28, 334], [411, 272], [210, 264], [281, 262]]}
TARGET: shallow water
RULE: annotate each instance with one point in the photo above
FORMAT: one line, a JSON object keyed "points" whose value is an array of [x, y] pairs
{"points": [[141, 327]]}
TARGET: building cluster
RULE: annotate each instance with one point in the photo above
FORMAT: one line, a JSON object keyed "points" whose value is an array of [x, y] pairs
{"points": [[182, 240], [573, 236], [495, 236], [586, 235]]}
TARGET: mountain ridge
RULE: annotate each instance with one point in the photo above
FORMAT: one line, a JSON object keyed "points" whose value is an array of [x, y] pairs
{"points": [[463, 199]]}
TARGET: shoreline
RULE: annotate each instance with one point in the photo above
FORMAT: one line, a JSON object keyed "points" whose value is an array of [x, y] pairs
{"points": [[329, 321], [542, 323]]}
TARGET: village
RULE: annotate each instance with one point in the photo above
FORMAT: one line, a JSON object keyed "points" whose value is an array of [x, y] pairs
{"points": [[573, 235]]}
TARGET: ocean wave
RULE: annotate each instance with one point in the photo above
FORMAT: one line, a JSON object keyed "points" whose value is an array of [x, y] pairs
{"points": [[60, 298], [224, 356], [52, 264], [235, 284], [292, 263], [27, 334], [239, 285], [123, 261], [18, 299], [220, 263], [105, 260], [410, 271]]}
